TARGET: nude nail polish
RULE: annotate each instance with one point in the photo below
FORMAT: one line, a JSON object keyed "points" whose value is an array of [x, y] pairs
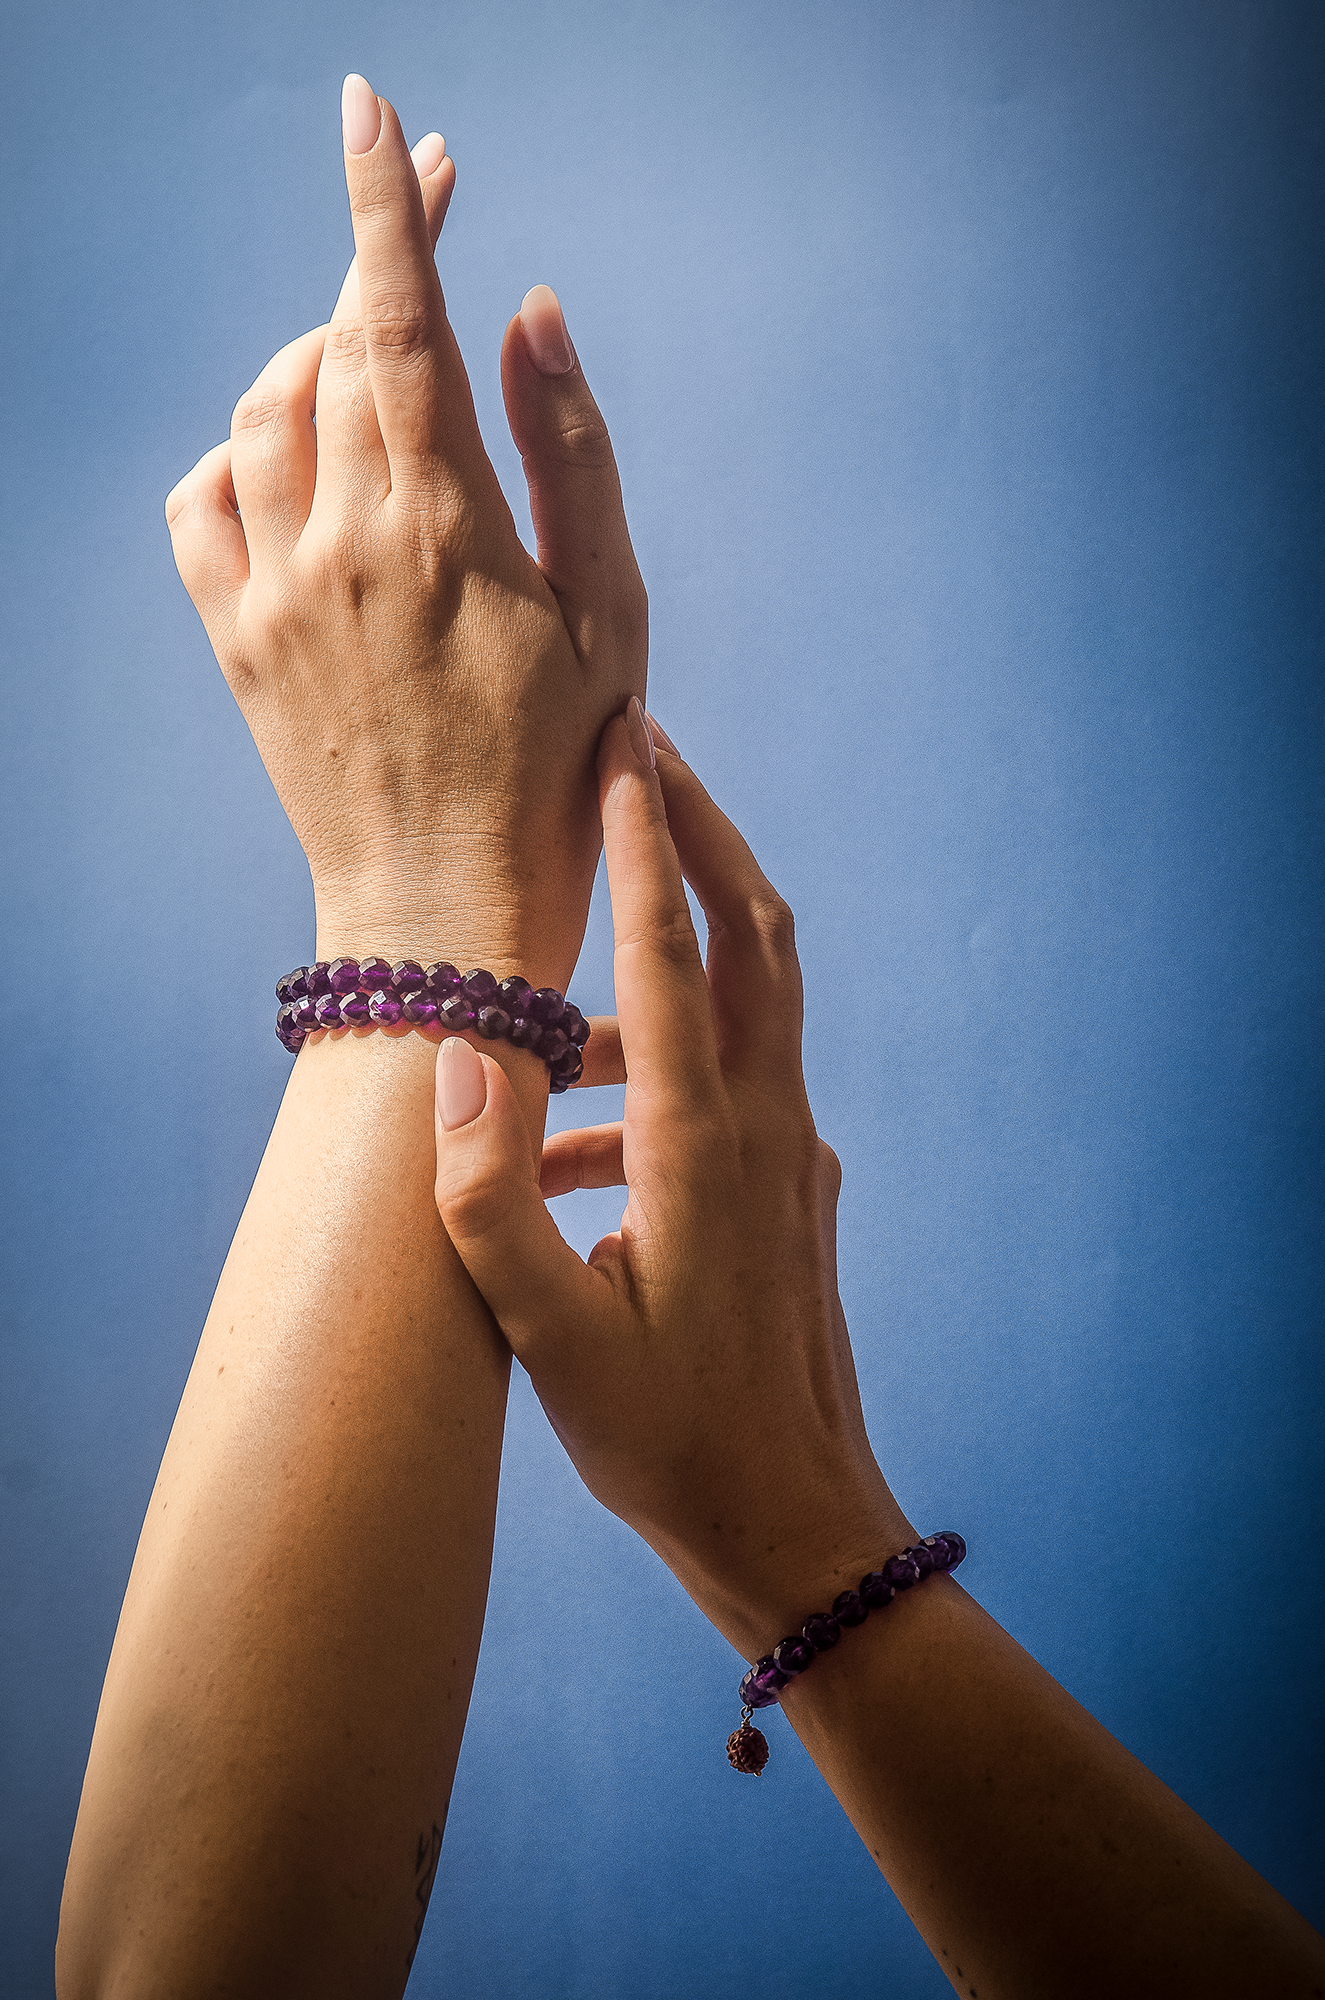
{"points": [[462, 1088], [545, 333], [360, 114], [428, 154], [637, 729], [659, 734]]}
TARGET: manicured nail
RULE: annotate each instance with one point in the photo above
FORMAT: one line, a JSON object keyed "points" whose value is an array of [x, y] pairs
{"points": [[429, 154], [462, 1088], [659, 735], [360, 114], [637, 729], [545, 331]]}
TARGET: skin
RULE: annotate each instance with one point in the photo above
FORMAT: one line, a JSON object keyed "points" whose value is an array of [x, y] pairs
{"points": [[284, 1704], [698, 1371]]}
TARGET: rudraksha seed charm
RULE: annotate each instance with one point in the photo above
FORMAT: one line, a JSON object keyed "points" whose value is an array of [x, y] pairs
{"points": [[747, 1750]]}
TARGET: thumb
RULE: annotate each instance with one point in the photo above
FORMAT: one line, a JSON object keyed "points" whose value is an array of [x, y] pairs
{"points": [[488, 1199], [584, 547]]}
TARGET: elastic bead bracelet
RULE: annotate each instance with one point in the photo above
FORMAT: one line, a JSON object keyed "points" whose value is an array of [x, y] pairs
{"points": [[747, 1747], [367, 992]]}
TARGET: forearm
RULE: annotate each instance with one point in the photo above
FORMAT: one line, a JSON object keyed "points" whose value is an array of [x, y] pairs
{"points": [[1035, 1855], [286, 1696]]}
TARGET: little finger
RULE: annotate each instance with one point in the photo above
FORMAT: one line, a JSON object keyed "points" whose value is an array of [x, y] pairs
{"points": [[207, 537]]}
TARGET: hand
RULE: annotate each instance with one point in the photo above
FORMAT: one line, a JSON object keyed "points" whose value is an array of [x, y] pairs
{"points": [[698, 1369], [425, 696]]}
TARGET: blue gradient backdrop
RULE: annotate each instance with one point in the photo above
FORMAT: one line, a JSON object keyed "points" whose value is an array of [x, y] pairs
{"points": [[964, 363]]}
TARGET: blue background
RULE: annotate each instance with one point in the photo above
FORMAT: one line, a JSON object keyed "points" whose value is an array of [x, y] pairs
{"points": [[964, 364]]}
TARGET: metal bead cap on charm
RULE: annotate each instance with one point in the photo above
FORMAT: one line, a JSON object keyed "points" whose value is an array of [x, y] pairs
{"points": [[747, 1749]]}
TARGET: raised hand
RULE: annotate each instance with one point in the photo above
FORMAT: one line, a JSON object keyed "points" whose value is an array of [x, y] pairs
{"points": [[697, 1369], [425, 695]]}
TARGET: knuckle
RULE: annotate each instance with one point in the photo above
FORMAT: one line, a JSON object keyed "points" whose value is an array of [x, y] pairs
{"points": [[258, 409], [478, 1202], [775, 923], [398, 327], [584, 442], [344, 344], [830, 1170]]}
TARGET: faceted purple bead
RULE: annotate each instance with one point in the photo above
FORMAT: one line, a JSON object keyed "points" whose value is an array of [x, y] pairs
{"points": [[353, 1010], [374, 975], [343, 975], [285, 1019], [419, 1010], [479, 987], [303, 1013], [456, 1013], [546, 1007], [850, 1608], [557, 1086], [876, 1591], [492, 1023], [512, 993], [283, 993], [290, 1040], [326, 1010], [407, 977], [384, 1007], [525, 1033], [922, 1557], [574, 1026], [297, 982], [570, 1069], [822, 1631], [900, 1572], [765, 1682], [317, 981], [955, 1545], [792, 1655], [552, 1045], [443, 980]]}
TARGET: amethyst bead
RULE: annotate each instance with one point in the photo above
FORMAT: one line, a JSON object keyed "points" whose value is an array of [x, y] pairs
{"points": [[297, 983], [343, 975], [326, 1010], [383, 1006], [900, 1572], [303, 1014], [317, 980], [407, 977], [479, 988], [374, 975], [793, 1655], [512, 993], [850, 1608], [283, 993], [552, 1045], [546, 1007], [418, 1010], [285, 1018], [442, 980], [822, 1631], [570, 1069], [923, 1558], [492, 1023], [456, 1013], [955, 1546], [574, 1026], [354, 1010], [525, 1033], [763, 1684], [876, 1591]]}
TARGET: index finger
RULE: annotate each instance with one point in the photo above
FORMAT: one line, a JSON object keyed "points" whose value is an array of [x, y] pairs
{"points": [[420, 390], [662, 995]]}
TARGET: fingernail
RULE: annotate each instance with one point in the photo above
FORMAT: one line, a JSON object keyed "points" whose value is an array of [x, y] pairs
{"points": [[462, 1088], [429, 154], [637, 729], [360, 114], [544, 326], [659, 735]]}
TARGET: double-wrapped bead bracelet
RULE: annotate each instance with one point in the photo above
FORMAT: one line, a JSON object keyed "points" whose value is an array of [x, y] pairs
{"points": [[747, 1747], [368, 992]]}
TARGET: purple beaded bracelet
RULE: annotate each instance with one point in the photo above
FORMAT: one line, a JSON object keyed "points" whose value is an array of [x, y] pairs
{"points": [[361, 993], [747, 1748]]}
